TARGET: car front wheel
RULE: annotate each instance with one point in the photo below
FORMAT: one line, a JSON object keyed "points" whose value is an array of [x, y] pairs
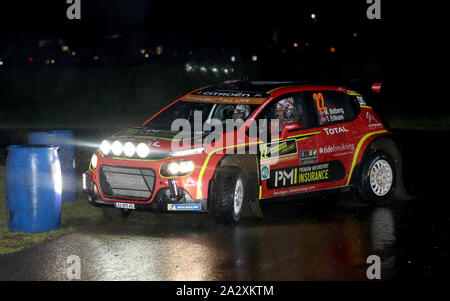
{"points": [[228, 196]]}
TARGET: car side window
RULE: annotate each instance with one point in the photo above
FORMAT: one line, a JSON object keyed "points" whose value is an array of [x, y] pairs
{"points": [[287, 108], [292, 108], [284, 109], [331, 107]]}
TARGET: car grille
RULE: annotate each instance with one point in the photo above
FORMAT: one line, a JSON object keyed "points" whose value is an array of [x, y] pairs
{"points": [[127, 183]]}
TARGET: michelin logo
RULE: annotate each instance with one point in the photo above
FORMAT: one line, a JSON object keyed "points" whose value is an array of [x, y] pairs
{"points": [[184, 207]]}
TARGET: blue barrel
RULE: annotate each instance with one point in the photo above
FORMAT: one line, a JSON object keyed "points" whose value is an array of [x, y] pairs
{"points": [[65, 140], [33, 188]]}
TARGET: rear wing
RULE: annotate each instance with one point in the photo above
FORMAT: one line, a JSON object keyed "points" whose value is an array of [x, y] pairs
{"points": [[364, 86]]}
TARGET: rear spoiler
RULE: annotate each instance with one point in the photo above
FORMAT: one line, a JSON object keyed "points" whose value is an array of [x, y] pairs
{"points": [[364, 86], [376, 87]]}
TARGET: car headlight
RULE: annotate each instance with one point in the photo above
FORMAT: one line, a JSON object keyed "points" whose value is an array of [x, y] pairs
{"points": [[177, 168], [129, 149], [105, 147], [187, 152], [186, 167], [142, 150], [117, 148], [94, 161], [173, 168]]}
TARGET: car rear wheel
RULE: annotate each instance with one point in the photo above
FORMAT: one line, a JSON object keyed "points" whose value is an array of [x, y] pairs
{"points": [[376, 181], [228, 196], [112, 213]]}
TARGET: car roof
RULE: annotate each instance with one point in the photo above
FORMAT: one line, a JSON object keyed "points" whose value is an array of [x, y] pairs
{"points": [[262, 88]]}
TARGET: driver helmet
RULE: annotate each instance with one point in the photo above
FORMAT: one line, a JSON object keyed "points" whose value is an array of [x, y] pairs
{"points": [[242, 109], [287, 106]]}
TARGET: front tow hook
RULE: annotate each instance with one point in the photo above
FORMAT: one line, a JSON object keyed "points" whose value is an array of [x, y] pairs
{"points": [[173, 189]]}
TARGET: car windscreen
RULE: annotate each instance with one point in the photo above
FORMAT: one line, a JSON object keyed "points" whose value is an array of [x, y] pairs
{"points": [[206, 111]]}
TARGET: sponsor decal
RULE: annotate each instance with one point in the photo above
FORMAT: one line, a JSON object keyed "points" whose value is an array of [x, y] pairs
{"points": [[373, 122], [230, 94], [265, 172], [271, 152], [308, 157], [305, 175], [370, 118], [336, 130], [225, 100], [124, 205], [360, 100], [189, 182], [295, 190], [154, 143], [184, 207], [340, 149]]}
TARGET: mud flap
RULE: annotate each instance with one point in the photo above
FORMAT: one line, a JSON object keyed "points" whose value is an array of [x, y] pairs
{"points": [[252, 209]]}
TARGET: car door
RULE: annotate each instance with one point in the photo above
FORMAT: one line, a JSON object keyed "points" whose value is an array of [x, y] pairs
{"points": [[288, 159], [334, 112]]}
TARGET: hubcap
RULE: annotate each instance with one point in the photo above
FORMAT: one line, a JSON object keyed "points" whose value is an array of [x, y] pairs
{"points": [[381, 177], [238, 196]]}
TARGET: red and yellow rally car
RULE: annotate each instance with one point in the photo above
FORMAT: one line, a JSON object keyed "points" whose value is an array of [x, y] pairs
{"points": [[285, 139]]}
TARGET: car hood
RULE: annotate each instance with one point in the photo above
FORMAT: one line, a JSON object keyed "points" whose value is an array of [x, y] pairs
{"points": [[159, 141]]}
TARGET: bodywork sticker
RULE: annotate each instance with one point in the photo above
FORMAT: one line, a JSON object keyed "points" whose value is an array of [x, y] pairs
{"points": [[308, 157], [184, 207], [274, 152], [305, 175]]}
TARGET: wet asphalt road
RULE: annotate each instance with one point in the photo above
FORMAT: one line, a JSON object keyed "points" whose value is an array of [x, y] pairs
{"points": [[321, 239]]}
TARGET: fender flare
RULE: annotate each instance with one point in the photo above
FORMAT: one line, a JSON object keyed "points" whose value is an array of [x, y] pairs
{"points": [[248, 164], [386, 142]]}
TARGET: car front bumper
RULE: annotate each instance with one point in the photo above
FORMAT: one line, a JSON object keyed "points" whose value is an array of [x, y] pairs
{"points": [[165, 199]]}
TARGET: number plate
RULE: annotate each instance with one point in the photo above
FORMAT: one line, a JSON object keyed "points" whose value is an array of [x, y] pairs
{"points": [[124, 206]]}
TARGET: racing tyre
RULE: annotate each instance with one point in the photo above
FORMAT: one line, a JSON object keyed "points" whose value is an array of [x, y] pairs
{"points": [[112, 213], [376, 180], [228, 196]]}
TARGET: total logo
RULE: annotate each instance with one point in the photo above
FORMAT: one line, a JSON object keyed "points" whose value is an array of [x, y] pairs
{"points": [[337, 130]]}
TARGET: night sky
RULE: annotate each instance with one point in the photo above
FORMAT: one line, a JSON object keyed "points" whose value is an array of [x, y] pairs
{"points": [[231, 22], [398, 44]]}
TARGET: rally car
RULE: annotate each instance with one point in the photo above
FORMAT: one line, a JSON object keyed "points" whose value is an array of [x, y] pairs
{"points": [[225, 148]]}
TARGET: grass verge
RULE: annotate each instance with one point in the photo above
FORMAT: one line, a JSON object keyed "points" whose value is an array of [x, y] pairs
{"points": [[73, 215]]}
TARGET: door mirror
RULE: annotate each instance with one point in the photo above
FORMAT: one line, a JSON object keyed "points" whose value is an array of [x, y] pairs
{"points": [[289, 127]]}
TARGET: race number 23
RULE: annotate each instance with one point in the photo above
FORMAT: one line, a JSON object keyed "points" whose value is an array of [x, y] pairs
{"points": [[318, 97]]}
